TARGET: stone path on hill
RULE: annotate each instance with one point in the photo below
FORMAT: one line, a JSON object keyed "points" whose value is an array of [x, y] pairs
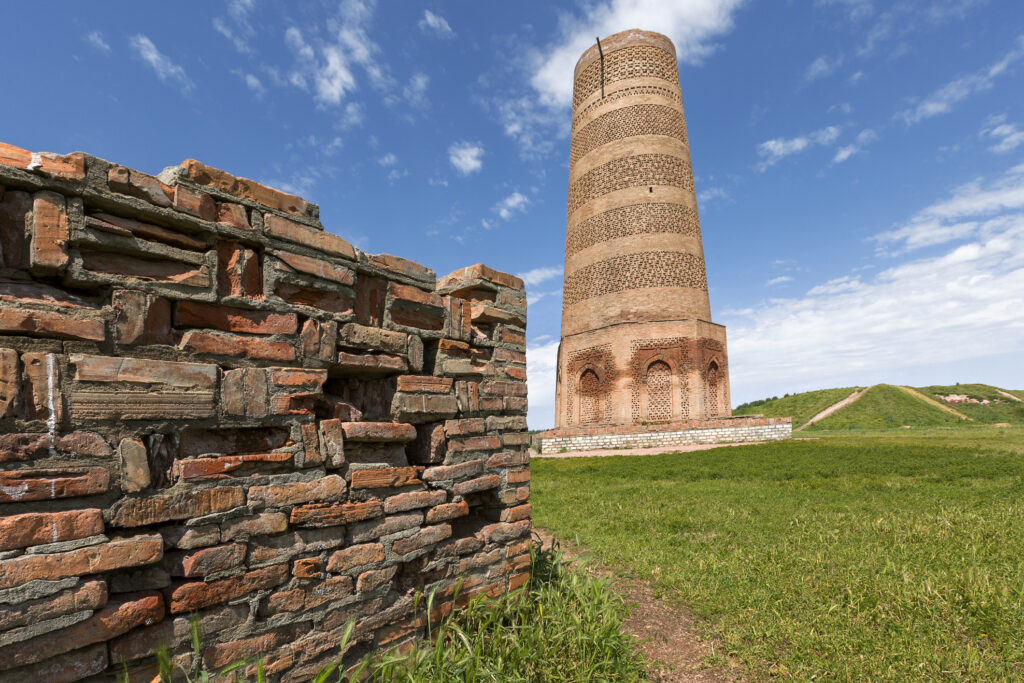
{"points": [[932, 402], [1010, 396], [665, 632], [833, 408]]}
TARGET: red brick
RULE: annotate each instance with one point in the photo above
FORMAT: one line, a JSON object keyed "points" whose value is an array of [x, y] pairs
{"points": [[523, 493], [333, 440], [164, 507], [141, 318], [322, 299], [196, 314], [227, 466], [420, 317], [224, 344], [222, 654], [15, 212], [371, 296], [518, 581], [507, 355], [42, 374], [323, 515], [133, 228], [310, 237], [481, 272], [318, 340], [317, 267], [519, 476], [371, 363], [490, 481], [206, 561], [65, 167], [331, 487], [10, 383], [118, 554], [414, 295], [50, 234], [385, 477], [446, 472], [474, 443], [447, 512], [424, 383], [512, 336], [245, 391], [90, 595], [421, 539], [155, 270], [26, 485], [140, 370], [508, 459], [356, 556], [311, 446], [255, 525], [243, 188], [378, 431], [362, 532], [195, 595], [115, 619], [308, 568], [397, 264], [517, 514], [198, 204], [141, 185], [298, 377], [239, 272], [375, 578], [51, 324], [496, 388], [142, 643], [473, 425], [229, 213], [37, 528], [413, 500], [502, 532], [515, 372]]}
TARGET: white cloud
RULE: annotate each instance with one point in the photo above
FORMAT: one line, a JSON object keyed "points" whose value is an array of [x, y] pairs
{"points": [[856, 78], [351, 116], [1008, 135], [773, 151], [962, 304], [511, 205], [942, 100], [238, 27], [856, 9], [541, 374], [388, 159], [436, 24], [166, 70], [255, 85], [711, 195], [782, 279], [536, 276], [415, 92], [864, 138], [333, 78], [96, 40], [822, 67], [466, 157]]}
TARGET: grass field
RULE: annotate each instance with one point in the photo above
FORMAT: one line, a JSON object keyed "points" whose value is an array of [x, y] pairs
{"points": [[885, 556], [801, 407], [1000, 409], [883, 407]]}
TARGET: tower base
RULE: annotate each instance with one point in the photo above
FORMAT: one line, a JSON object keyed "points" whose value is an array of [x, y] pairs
{"points": [[740, 429]]}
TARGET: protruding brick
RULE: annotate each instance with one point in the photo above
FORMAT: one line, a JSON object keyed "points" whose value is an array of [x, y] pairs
{"points": [[224, 344], [239, 272], [331, 487], [309, 237], [446, 472], [141, 318], [228, 466], [37, 528], [21, 486], [134, 465], [138, 184], [196, 314], [198, 204], [385, 477], [447, 512], [243, 188], [324, 515], [62, 166], [356, 556], [424, 383], [164, 507], [317, 267], [119, 554], [48, 253], [51, 324], [421, 539], [413, 500], [191, 596], [378, 431], [490, 481], [206, 561], [308, 568]]}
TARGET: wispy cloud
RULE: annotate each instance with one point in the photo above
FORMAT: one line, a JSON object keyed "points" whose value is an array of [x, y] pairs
{"points": [[95, 39], [822, 67], [864, 138], [237, 28], [782, 279], [511, 205], [466, 157], [777, 149], [255, 84], [415, 91], [536, 276], [165, 69], [711, 195], [943, 100], [436, 25], [1007, 135], [388, 159]]}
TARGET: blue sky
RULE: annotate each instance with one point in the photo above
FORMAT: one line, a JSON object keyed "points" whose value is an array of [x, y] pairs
{"points": [[859, 164]]}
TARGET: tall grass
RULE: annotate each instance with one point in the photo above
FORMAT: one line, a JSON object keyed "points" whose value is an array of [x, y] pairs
{"points": [[563, 625]]}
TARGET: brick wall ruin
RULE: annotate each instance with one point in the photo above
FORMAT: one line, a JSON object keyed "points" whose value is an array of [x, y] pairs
{"points": [[210, 405]]}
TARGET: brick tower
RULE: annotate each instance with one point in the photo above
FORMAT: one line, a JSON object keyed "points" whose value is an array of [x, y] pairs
{"points": [[638, 345]]}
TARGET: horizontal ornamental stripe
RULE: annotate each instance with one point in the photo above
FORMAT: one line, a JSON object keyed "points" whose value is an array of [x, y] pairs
{"points": [[634, 271]]}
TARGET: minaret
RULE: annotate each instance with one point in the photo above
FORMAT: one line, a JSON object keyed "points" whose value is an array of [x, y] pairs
{"points": [[638, 344]]}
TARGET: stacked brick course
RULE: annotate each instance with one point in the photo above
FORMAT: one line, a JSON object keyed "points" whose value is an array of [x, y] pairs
{"points": [[722, 430], [210, 405]]}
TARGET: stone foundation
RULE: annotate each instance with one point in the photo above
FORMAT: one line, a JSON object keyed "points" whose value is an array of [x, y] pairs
{"points": [[211, 406], [722, 430]]}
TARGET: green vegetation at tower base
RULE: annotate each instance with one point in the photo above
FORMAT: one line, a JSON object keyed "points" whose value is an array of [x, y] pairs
{"points": [[888, 558]]}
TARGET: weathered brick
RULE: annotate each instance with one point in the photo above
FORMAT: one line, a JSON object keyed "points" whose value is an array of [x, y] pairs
{"points": [[120, 225], [224, 344], [206, 561], [430, 445], [90, 595], [198, 594], [10, 381], [141, 318], [317, 267], [385, 477], [164, 507], [397, 264], [37, 528], [245, 392], [473, 425], [447, 512], [368, 531], [197, 314], [518, 476], [419, 408], [239, 271], [15, 213], [378, 431], [312, 456], [198, 204], [474, 443], [370, 363], [65, 167], [243, 188], [22, 447], [301, 234], [446, 472], [323, 299], [51, 324], [42, 397], [118, 554], [374, 578], [517, 514], [490, 481], [135, 475], [48, 253], [318, 340], [229, 213], [253, 525], [412, 500], [222, 654], [154, 270], [480, 272], [227, 466], [424, 383], [502, 532], [355, 556], [90, 368], [421, 539], [308, 568], [331, 487], [21, 486], [508, 459], [324, 515]]}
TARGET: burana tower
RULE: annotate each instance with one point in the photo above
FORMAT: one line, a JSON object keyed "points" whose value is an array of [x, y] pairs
{"points": [[638, 344]]}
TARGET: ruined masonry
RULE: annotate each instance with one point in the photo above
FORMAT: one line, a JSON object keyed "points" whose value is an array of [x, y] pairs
{"points": [[640, 361], [210, 405]]}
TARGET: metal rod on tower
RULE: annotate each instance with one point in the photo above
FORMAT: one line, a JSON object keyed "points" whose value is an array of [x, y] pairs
{"points": [[601, 52]]}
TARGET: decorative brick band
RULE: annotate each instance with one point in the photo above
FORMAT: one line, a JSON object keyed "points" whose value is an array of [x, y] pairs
{"points": [[638, 61], [638, 170], [648, 218], [634, 271], [640, 119]]}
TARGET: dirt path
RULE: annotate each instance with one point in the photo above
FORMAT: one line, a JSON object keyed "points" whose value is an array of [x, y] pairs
{"points": [[932, 402], [833, 408], [655, 450], [1010, 396], [666, 633]]}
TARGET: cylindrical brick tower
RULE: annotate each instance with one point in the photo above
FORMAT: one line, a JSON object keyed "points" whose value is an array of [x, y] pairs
{"points": [[638, 345]]}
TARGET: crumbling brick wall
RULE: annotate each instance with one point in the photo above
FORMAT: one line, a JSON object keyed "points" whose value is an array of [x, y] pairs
{"points": [[210, 405]]}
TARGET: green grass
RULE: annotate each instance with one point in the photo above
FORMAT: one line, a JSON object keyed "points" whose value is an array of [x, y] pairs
{"points": [[1001, 409], [564, 625], [890, 558], [801, 407], [885, 406]]}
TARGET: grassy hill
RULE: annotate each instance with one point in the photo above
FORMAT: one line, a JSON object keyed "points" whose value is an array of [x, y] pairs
{"points": [[801, 407], [889, 407]]}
